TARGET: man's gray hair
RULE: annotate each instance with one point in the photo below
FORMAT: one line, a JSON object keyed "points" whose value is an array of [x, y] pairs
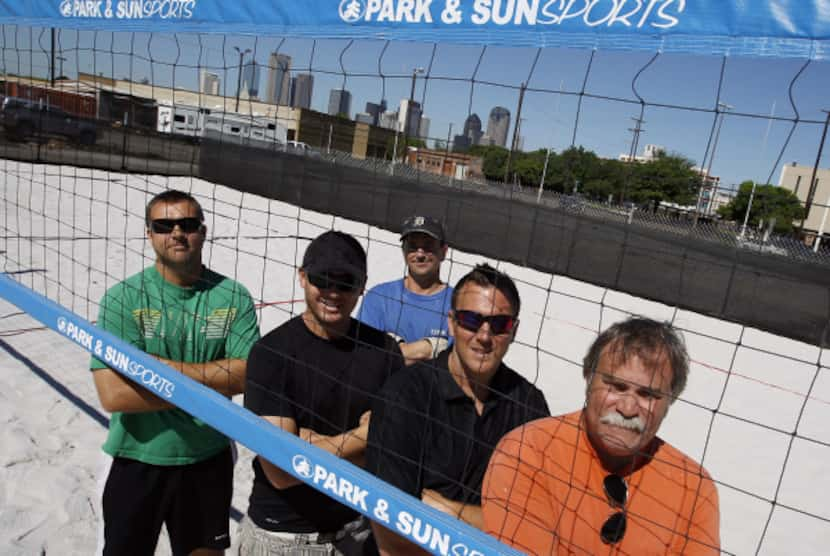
{"points": [[647, 339]]}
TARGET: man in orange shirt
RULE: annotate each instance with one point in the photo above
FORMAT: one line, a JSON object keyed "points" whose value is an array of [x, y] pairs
{"points": [[600, 481]]}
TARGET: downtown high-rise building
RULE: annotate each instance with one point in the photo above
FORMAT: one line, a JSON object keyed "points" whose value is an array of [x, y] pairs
{"points": [[498, 126], [302, 87], [409, 117], [340, 102], [472, 129], [278, 89], [389, 120], [423, 128], [376, 110], [250, 78], [209, 83]]}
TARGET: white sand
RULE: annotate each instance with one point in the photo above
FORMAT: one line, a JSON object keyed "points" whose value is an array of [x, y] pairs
{"points": [[50, 458]]}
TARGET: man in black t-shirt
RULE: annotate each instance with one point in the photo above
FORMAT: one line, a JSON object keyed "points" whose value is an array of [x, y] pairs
{"points": [[315, 376], [434, 426]]}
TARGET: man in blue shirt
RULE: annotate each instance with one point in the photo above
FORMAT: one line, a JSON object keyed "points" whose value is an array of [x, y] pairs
{"points": [[414, 309]]}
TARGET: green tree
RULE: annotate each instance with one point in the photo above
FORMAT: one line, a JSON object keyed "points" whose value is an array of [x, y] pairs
{"points": [[494, 160], [669, 178], [769, 201]]}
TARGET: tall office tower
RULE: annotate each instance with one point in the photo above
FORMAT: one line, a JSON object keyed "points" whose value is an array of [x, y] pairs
{"points": [[278, 89], [373, 109], [423, 128], [210, 83], [498, 125], [409, 117], [472, 129], [340, 102], [389, 120], [302, 86], [250, 78]]}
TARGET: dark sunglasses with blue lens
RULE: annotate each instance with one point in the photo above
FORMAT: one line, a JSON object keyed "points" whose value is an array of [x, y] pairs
{"points": [[472, 321]]}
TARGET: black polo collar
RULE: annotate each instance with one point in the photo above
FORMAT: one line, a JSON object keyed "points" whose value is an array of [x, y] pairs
{"points": [[451, 391]]}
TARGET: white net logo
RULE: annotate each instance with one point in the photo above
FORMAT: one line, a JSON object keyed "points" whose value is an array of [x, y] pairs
{"points": [[128, 9], [302, 466], [351, 10]]}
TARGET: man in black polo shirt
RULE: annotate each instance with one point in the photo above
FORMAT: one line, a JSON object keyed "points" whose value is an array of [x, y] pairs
{"points": [[434, 425], [314, 376]]}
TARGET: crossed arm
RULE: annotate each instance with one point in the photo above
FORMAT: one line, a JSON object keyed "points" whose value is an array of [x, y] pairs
{"points": [[349, 445], [118, 393]]}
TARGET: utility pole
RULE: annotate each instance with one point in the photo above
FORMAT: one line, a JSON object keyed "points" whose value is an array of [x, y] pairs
{"points": [[52, 65], [516, 130], [635, 138], [447, 155], [812, 193], [722, 109], [239, 77], [632, 152]]}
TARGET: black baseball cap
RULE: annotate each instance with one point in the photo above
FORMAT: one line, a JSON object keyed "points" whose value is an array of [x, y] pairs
{"points": [[335, 253], [425, 225]]}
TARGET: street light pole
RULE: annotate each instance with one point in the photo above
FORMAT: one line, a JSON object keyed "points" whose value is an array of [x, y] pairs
{"points": [[408, 118], [239, 77], [817, 242], [542, 181], [748, 208]]}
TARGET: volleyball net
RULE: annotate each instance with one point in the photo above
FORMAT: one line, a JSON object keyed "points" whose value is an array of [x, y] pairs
{"points": [[284, 132]]}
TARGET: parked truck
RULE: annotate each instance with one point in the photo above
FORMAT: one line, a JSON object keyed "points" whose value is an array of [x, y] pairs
{"points": [[24, 119]]}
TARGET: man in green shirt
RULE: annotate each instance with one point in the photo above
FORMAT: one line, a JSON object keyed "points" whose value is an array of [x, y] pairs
{"points": [[169, 467]]}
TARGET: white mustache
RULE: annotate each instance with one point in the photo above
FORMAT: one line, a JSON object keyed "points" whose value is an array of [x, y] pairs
{"points": [[616, 420]]}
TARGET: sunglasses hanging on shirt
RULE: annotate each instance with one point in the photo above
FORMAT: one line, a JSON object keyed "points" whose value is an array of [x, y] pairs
{"points": [[616, 490]]}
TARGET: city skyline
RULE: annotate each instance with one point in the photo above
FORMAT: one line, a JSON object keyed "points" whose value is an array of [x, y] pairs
{"points": [[572, 97]]}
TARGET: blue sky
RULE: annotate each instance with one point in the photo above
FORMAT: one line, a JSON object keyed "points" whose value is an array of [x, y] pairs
{"points": [[464, 79]]}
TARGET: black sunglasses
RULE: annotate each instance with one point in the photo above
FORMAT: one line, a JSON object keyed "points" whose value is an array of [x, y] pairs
{"points": [[429, 244], [166, 225], [613, 530], [472, 321], [339, 282]]}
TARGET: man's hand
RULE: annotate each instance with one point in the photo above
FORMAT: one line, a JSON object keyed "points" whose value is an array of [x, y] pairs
{"points": [[469, 513], [424, 349], [437, 344]]}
